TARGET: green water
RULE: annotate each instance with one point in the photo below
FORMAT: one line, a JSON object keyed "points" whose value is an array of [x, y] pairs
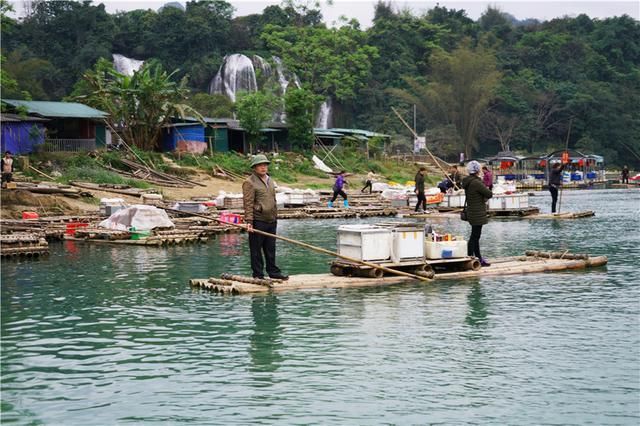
{"points": [[96, 335]]}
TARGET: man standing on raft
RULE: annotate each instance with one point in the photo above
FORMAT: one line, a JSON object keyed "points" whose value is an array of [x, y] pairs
{"points": [[555, 181], [260, 213]]}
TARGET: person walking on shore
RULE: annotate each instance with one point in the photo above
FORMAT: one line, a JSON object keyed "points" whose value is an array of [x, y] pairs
{"points": [[260, 213], [487, 177], [555, 181], [476, 194], [625, 174], [369, 182], [419, 190], [338, 190]]}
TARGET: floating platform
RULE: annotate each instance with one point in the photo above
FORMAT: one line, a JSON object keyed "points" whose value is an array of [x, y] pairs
{"points": [[23, 244], [531, 262], [335, 213], [568, 215]]}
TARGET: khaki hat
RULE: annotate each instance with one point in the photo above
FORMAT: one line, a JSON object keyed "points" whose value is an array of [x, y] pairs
{"points": [[259, 159]]}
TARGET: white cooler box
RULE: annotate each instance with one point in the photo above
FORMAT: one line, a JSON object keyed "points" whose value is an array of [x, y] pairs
{"points": [[453, 200], [445, 249], [407, 244], [109, 206], [364, 242], [509, 201]]}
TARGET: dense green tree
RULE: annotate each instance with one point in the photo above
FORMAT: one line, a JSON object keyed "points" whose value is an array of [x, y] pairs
{"points": [[211, 105], [460, 88], [328, 61], [254, 112], [300, 109]]}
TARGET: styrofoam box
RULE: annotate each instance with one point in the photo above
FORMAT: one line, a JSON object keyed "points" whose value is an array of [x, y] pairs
{"points": [[364, 242], [407, 244], [516, 201], [433, 250], [496, 203], [296, 198], [453, 200]]}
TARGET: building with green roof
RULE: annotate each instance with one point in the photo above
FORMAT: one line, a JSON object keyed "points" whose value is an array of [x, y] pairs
{"points": [[71, 126]]}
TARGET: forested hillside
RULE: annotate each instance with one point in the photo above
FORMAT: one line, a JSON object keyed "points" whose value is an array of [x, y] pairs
{"points": [[478, 86]]}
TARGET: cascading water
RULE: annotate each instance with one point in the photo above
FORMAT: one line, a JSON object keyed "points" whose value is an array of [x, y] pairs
{"points": [[325, 115], [240, 73], [124, 65], [236, 74], [261, 65]]}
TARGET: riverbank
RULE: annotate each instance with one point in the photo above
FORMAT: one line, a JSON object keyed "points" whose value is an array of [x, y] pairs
{"points": [[210, 175]]}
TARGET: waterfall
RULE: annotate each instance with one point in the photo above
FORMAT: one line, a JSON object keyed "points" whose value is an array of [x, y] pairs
{"points": [[241, 73], [259, 63], [325, 115], [236, 74], [124, 65]]}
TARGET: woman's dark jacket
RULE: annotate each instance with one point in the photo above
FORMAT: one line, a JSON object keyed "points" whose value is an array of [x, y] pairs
{"points": [[477, 195]]}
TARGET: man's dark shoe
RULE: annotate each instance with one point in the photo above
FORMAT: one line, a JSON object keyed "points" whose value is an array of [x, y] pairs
{"points": [[260, 277], [282, 277], [484, 262]]}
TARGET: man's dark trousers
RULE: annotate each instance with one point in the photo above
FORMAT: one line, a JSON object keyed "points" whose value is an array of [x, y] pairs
{"points": [[259, 244]]}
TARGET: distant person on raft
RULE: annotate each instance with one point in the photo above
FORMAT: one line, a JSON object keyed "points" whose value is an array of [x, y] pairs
{"points": [[419, 190], [487, 177], [555, 181], [369, 181], [338, 190], [260, 213], [625, 174]]}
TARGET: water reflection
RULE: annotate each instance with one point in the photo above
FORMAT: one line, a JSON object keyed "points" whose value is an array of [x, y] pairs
{"points": [[265, 342], [230, 244], [477, 314]]}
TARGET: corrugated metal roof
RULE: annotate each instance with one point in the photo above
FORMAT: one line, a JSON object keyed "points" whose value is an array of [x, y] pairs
{"points": [[57, 109], [365, 133], [326, 133], [18, 118]]}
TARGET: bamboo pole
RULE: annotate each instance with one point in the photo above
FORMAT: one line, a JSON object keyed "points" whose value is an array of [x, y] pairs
{"points": [[310, 247], [42, 173], [415, 135]]}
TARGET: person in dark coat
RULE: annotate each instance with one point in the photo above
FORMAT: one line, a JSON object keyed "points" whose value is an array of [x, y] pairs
{"points": [[476, 194], [625, 174], [419, 190], [555, 181]]}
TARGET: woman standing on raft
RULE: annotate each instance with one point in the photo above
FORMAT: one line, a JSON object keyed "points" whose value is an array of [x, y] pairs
{"points": [[476, 194]]}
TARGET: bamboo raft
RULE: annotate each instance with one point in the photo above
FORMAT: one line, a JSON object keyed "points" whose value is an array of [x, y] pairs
{"points": [[567, 215], [23, 244], [531, 262], [335, 213]]}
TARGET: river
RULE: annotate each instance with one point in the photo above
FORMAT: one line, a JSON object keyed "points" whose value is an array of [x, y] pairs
{"points": [[101, 335]]}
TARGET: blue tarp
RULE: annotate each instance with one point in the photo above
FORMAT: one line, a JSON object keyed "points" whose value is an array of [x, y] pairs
{"points": [[21, 137]]}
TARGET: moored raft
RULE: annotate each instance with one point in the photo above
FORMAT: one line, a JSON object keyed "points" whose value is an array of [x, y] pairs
{"points": [[531, 262]]}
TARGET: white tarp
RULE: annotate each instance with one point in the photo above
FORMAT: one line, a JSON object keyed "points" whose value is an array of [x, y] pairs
{"points": [[319, 164], [140, 217]]}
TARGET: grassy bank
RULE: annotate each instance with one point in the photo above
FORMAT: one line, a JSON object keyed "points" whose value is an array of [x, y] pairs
{"points": [[286, 168]]}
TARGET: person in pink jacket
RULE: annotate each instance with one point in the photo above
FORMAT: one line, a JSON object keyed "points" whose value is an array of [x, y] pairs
{"points": [[487, 177]]}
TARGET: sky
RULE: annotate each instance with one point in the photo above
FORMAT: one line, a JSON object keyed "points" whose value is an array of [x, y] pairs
{"points": [[362, 10]]}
